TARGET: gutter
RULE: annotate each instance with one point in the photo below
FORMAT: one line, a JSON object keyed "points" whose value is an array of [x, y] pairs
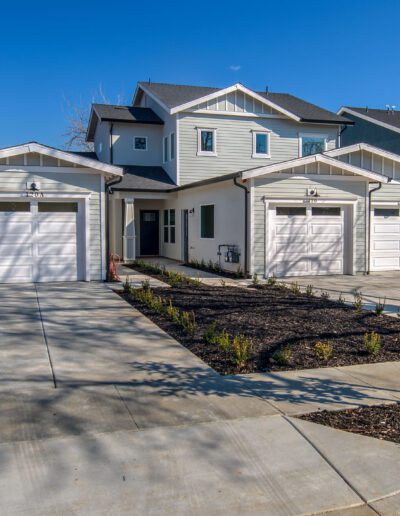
{"points": [[368, 239], [246, 229]]}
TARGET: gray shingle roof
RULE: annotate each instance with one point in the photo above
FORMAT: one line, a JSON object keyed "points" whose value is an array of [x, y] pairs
{"points": [[381, 115], [144, 178], [133, 114], [173, 95]]}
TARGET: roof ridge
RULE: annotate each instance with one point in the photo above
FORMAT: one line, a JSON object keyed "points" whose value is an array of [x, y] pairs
{"points": [[144, 83]]}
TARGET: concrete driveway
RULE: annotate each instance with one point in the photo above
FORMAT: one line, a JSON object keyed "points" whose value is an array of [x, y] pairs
{"points": [[101, 412]]}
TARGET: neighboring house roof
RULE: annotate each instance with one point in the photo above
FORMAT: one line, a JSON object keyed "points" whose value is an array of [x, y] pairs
{"points": [[72, 157], [341, 151], [176, 97], [145, 178], [382, 117], [121, 114]]}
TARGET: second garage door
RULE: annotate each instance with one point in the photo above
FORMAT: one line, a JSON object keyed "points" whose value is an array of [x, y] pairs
{"points": [[385, 239], [39, 241], [306, 240]]}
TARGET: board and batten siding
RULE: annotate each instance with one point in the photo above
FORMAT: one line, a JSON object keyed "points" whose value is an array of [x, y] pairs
{"points": [[64, 182], [285, 187], [234, 143]]}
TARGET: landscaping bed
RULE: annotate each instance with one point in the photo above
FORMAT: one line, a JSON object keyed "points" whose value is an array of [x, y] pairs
{"points": [[286, 330], [380, 421]]}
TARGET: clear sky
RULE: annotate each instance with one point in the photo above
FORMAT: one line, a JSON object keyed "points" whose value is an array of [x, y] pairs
{"points": [[59, 52]]}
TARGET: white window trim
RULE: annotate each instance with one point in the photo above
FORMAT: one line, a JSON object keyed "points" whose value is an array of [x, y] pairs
{"points": [[259, 155], [165, 149], [206, 153], [206, 238], [140, 150], [169, 225], [170, 146], [312, 135]]}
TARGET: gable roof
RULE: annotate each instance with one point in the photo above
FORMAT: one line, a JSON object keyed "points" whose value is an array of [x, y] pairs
{"points": [[342, 151], [124, 114], [177, 97], [382, 117], [72, 157], [315, 158]]}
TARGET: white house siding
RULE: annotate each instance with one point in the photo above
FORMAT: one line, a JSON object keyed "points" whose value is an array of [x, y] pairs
{"points": [[123, 150], [285, 187], [235, 143], [64, 182], [102, 141]]}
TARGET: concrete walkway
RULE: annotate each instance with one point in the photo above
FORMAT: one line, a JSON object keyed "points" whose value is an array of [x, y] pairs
{"points": [[139, 425]]}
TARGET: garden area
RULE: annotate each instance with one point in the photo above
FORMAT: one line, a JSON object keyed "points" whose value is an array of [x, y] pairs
{"points": [[268, 327]]}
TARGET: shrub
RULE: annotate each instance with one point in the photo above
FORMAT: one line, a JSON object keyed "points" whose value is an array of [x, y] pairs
{"points": [[223, 341], [325, 295], [372, 343], [172, 312], [283, 356], [341, 299], [323, 350], [188, 322], [242, 348], [239, 272], [223, 283], [255, 279], [358, 301], [146, 284], [309, 291], [380, 307], [271, 280], [127, 289], [295, 288], [211, 333]]}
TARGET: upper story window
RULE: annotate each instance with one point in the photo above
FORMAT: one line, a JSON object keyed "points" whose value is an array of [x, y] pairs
{"points": [[206, 142], [165, 151], [261, 144], [172, 146], [310, 143], [140, 143]]}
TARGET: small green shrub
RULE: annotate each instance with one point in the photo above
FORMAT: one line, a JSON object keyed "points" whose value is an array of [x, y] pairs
{"points": [[325, 295], [239, 272], [146, 284], [242, 348], [295, 288], [372, 343], [211, 333], [223, 283], [173, 312], [188, 322], [223, 341], [127, 288], [283, 356], [255, 280], [358, 301], [310, 291], [341, 299], [380, 307], [323, 350], [271, 280]]}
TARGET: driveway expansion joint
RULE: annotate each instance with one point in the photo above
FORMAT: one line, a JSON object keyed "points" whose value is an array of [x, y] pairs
{"points": [[45, 338]]}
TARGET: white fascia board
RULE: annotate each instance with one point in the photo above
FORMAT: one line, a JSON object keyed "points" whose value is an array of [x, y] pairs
{"points": [[59, 154], [342, 151], [321, 158], [230, 89], [368, 119]]}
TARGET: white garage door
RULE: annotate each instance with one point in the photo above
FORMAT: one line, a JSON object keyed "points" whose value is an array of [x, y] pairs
{"points": [[306, 240], [39, 241], [385, 239]]}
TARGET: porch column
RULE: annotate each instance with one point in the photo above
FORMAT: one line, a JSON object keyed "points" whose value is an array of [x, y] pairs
{"points": [[129, 236]]}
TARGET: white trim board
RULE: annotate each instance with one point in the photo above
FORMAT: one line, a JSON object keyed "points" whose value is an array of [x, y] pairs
{"points": [[368, 119], [342, 151]]}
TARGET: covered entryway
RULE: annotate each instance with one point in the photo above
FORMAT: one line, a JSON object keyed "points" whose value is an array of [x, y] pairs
{"points": [[385, 238], [306, 240], [40, 241]]}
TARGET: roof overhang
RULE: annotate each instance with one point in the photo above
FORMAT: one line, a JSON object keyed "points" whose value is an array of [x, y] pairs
{"points": [[349, 149], [75, 159], [363, 116], [307, 160], [92, 124]]}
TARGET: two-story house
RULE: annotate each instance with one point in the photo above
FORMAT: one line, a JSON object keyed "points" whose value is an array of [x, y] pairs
{"points": [[253, 179]]}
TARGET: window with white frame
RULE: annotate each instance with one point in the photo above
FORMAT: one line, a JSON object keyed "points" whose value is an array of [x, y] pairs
{"points": [[165, 152], [172, 146], [169, 226], [310, 143], [207, 221], [261, 144], [140, 143], [206, 142]]}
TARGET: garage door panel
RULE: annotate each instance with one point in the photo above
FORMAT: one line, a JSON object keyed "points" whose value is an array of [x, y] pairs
{"points": [[326, 229], [285, 268], [386, 262], [15, 250], [323, 265], [380, 228], [57, 250], [54, 228], [13, 227], [10, 273], [335, 247], [292, 248], [282, 229]]}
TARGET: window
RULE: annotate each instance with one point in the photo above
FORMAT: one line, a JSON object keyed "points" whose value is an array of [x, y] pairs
{"points": [[140, 143], [207, 221], [386, 212], [260, 144], [15, 206], [291, 211], [206, 142], [312, 144], [169, 226], [172, 146], [325, 211], [165, 156], [58, 207]]}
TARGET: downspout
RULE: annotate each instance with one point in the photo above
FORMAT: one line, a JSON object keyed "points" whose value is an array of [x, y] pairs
{"points": [[246, 229], [340, 135], [368, 254]]}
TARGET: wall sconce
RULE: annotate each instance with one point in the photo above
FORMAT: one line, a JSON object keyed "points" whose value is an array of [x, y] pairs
{"points": [[191, 211]]}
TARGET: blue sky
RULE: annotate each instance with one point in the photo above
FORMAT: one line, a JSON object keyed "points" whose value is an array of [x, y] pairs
{"points": [[55, 53]]}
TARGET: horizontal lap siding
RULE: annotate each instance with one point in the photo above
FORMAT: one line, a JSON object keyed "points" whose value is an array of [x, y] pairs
{"points": [[295, 189], [65, 182], [235, 143]]}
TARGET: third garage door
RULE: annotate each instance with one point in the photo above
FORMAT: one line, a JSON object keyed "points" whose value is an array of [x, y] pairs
{"points": [[385, 239], [306, 240]]}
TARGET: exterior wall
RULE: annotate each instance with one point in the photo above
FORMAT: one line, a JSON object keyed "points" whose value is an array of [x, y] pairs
{"points": [[235, 143], [102, 138], [67, 181], [125, 154], [368, 132], [285, 187]]}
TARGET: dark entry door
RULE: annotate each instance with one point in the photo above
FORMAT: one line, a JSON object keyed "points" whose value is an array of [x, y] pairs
{"points": [[149, 232], [185, 240]]}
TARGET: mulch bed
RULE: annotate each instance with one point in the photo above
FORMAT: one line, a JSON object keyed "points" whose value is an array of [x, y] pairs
{"points": [[273, 318], [380, 421]]}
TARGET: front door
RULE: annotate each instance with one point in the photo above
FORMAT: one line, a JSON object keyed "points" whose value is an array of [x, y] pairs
{"points": [[149, 232], [185, 235]]}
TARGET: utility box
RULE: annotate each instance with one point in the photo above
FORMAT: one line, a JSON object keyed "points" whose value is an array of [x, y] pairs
{"points": [[232, 254]]}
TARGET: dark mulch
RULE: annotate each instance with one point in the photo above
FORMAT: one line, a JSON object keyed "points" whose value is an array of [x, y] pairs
{"points": [[273, 318], [380, 421]]}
